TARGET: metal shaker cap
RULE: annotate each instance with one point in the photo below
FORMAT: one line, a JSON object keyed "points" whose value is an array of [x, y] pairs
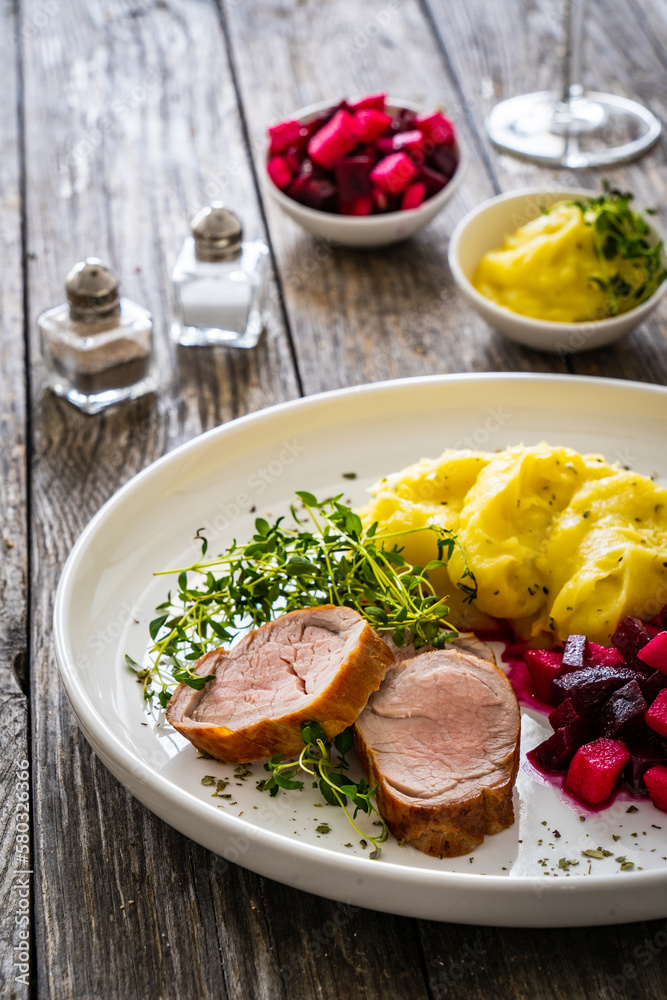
{"points": [[92, 290], [217, 232]]}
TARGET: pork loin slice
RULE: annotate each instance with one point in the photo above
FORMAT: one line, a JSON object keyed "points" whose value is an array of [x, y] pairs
{"points": [[312, 665], [440, 739], [467, 641]]}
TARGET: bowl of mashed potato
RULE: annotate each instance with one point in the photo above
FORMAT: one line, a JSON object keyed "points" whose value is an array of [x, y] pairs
{"points": [[545, 270]]}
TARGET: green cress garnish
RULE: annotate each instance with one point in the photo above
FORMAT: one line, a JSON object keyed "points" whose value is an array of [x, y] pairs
{"points": [[620, 233], [332, 559], [330, 777]]}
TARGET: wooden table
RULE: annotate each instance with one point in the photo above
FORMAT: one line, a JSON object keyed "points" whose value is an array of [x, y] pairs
{"points": [[118, 120]]}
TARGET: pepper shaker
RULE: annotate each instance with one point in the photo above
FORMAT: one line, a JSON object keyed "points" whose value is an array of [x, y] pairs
{"points": [[97, 346], [218, 283]]}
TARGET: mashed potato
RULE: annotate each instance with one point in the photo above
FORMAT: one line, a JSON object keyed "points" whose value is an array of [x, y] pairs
{"points": [[549, 269], [559, 542]]}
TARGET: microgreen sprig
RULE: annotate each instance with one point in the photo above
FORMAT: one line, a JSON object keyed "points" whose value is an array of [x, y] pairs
{"points": [[327, 557], [330, 777], [621, 234]]}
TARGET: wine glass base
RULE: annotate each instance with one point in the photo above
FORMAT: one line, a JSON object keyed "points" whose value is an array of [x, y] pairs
{"points": [[593, 130]]}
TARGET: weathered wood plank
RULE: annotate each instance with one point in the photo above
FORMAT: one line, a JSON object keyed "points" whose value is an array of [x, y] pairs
{"points": [[16, 877], [499, 50], [13, 520], [15, 880], [360, 316], [600, 962], [131, 125], [128, 907]]}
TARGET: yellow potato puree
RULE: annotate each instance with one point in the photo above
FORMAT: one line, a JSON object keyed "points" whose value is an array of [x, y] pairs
{"points": [[544, 270], [559, 542]]}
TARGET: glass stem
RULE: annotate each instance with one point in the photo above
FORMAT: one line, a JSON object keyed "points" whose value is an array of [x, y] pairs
{"points": [[573, 87]]}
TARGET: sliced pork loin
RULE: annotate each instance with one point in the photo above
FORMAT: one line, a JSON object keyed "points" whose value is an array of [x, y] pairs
{"points": [[466, 641], [312, 665], [440, 739]]}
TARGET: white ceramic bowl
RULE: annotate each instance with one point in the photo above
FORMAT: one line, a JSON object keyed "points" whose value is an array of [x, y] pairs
{"points": [[369, 230], [485, 228]]}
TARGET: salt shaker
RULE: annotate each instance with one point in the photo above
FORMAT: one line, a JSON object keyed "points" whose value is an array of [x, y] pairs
{"points": [[97, 346], [218, 283]]}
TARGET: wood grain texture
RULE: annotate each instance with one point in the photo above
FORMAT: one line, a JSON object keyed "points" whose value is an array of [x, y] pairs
{"points": [[16, 880], [13, 491], [15, 891], [132, 125], [132, 121]]}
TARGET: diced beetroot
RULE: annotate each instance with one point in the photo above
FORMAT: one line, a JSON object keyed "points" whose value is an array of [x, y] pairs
{"points": [[316, 170], [663, 617], [574, 653], [380, 199], [434, 180], [651, 738], [641, 669], [623, 711], [543, 666], [279, 172], [359, 206], [308, 169], [641, 759], [655, 652], [298, 186], [653, 685], [394, 173], [602, 656], [405, 150], [315, 192], [436, 128], [595, 769], [334, 140], [371, 124], [385, 146], [413, 195], [655, 780], [656, 715], [385, 202], [564, 715], [374, 101], [369, 150], [444, 159], [630, 636], [294, 158], [316, 123], [353, 179], [411, 142], [517, 649], [283, 135], [404, 120], [300, 145], [589, 687], [556, 752]]}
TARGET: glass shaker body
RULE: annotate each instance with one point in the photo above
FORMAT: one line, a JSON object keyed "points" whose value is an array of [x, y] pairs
{"points": [[95, 364], [219, 302]]}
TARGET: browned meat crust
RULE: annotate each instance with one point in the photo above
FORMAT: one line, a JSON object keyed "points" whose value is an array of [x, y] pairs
{"points": [[459, 791], [335, 704]]}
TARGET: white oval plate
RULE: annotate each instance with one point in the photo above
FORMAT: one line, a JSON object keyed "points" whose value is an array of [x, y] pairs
{"points": [[107, 595]]}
